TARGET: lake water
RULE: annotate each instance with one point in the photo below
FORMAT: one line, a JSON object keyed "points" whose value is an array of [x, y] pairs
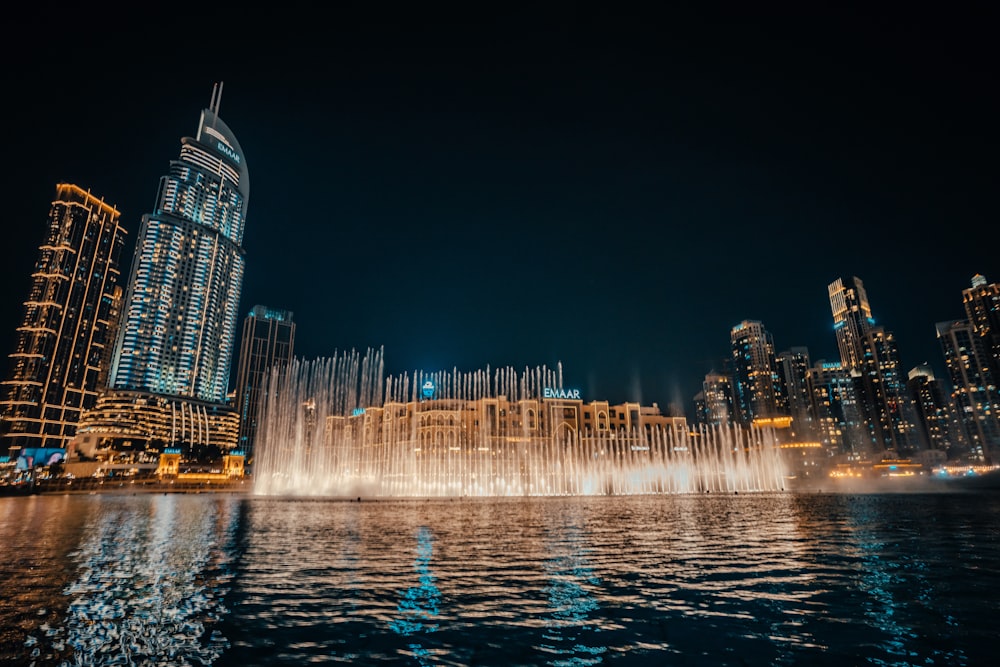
{"points": [[759, 579]]}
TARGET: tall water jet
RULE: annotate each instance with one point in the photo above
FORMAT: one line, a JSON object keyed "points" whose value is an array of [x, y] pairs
{"points": [[336, 427]]}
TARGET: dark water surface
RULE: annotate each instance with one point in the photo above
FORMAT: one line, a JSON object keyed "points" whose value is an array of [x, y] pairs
{"points": [[761, 579]]}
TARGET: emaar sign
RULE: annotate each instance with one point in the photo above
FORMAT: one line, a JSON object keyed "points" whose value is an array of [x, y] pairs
{"points": [[233, 155], [552, 392]]}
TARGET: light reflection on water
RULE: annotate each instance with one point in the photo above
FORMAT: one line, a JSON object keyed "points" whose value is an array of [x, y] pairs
{"points": [[769, 579]]}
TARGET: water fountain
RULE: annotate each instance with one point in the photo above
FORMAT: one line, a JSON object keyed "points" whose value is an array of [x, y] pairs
{"points": [[336, 427]]}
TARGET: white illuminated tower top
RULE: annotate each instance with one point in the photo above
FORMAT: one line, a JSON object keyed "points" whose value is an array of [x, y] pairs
{"points": [[852, 319], [180, 312]]}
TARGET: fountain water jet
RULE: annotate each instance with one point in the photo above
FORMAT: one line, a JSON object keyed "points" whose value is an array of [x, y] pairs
{"points": [[335, 427]]}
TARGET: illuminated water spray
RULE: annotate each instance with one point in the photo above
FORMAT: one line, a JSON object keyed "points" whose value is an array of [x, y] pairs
{"points": [[337, 427]]}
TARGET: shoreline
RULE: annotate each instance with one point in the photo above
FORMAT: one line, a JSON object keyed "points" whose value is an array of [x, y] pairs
{"points": [[123, 487], [244, 486]]}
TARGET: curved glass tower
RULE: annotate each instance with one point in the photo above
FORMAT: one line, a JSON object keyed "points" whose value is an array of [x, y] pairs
{"points": [[180, 313], [170, 371]]}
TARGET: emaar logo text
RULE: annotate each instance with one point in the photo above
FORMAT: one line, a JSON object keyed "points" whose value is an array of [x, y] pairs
{"points": [[233, 155], [552, 392]]}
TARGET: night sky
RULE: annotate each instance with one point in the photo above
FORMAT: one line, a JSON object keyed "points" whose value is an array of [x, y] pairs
{"points": [[612, 192]]}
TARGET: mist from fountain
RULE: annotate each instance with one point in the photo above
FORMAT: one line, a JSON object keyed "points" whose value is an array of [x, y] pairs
{"points": [[336, 427]]}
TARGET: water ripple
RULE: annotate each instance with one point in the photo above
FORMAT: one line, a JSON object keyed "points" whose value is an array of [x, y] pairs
{"points": [[768, 579]]}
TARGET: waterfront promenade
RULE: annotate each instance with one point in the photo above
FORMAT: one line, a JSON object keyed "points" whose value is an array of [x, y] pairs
{"points": [[126, 485]]}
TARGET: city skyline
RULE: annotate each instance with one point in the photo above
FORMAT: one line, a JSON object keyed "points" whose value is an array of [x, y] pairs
{"points": [[617, 207]]}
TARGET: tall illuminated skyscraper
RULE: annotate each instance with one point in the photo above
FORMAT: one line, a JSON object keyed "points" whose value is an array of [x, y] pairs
{"points": [[69, 322], [982, 308], [852, 319], [757, 388], [936, 418], [869, 353], [793, 367], [170, 373], [268, 346], [971, 349]]}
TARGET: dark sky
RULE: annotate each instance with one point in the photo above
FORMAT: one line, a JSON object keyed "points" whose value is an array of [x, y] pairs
{"points": [[613, 192]]}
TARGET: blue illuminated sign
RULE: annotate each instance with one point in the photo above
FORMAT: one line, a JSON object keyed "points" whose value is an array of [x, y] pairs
{"points": [[552, 392], [428, 389], [357, 411], [229, 152]]}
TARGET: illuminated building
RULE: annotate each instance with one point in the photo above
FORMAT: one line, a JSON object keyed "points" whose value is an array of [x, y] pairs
{"points": [[889, 412], [836, 416], [60, 361], [982, 309], [169, 468], [935, 417], [717, 400], [455, 422], [179, 314], [268, 344], [974, 394], [869, 352], [757, 389], [793, 367], [852, 319]]}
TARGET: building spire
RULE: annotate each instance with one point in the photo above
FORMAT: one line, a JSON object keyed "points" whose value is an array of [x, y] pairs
{"points": [[213, 106], [218, 98]]}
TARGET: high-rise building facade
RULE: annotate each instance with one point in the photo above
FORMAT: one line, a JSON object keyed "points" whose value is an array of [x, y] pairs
{"points": [[69, 323], [935, 417], [171, 368], [852, 319], [889, 412], [836, 415], [757, 388], [793, 367], [982, 309], [974, 394], [871, 355], [716, 402], [267, 347]]}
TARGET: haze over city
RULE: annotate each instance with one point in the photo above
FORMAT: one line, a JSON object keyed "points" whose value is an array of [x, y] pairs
{"points": [[614, 195]]}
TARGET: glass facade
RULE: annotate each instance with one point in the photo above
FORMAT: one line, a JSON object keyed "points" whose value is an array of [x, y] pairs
{"points": [[180, 312], [170, 369], [268, 344], [757, 388], [852, 319]]}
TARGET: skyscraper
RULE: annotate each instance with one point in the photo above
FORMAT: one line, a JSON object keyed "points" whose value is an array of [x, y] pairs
{"points": [[935, 416], [871, 355], [889, 411], [982, 308], [793, 367], [975, 396], [171, 367], [716, 400], [757, 388], [852, 319], [268, 345], [837, 418], [69, 322]]}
